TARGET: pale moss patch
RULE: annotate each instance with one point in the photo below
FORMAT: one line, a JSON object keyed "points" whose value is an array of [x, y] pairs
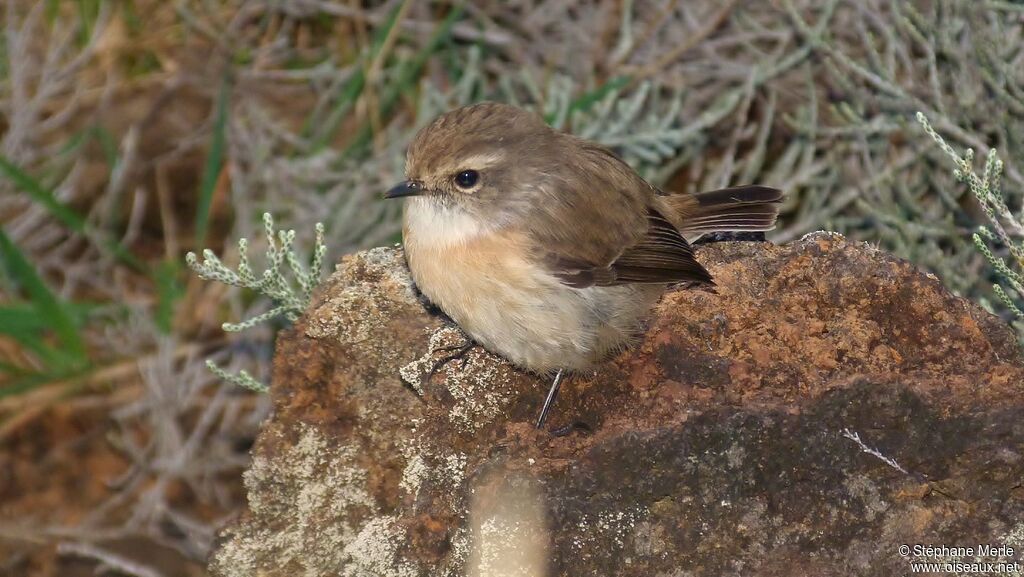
{"points": [[735, 456], [446, 473], [821, 234], [614, 526], [412, 372], [374, 551], [311, 491], [447, 470], [866, 491], [481, 388], [354, 313], [390, 263], [415, 472], [455, 468], [462, 546], [1013, 538]]}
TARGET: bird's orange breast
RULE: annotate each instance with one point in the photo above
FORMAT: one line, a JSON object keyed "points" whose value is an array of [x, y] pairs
{"points": [[472, 278], [489, 282]]}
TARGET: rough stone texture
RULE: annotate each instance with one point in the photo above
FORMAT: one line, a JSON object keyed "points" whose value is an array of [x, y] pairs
{"points": [[716, 444]]}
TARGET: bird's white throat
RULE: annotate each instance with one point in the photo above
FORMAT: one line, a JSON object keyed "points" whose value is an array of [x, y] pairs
{"points": [[433, 224]]}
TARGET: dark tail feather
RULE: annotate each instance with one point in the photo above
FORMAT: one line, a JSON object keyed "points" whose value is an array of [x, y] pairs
{"points": [[740, 208], [751, 193]]}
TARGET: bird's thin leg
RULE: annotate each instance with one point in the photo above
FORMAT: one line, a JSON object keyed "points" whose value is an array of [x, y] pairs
{"points": [[550, 400]]}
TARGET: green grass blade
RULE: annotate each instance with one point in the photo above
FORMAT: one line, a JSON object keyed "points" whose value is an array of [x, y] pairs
{"points": [[23, 384], [18, 320], [65, 214], [52, 356], [588, 99], [52, 9], [167, 277], [88, 15], [326, 130], [41, 195], [55, 312], [12, 369], [407, 76], [213, 167], [353, 88], [21, 318], [107, 145], [75, 142], [131, 17]]}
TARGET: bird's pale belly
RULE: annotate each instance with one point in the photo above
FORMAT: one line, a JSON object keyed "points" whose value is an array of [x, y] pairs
{"points": [[520, 311]]}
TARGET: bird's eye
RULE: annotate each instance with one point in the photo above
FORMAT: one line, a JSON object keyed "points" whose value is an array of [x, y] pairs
{"points": [[467, 178]]}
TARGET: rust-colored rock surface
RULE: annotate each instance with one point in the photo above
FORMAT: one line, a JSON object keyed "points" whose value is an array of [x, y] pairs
{"points": [[735, 438]]}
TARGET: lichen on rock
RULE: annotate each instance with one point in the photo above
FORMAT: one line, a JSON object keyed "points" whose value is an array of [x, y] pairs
{"points": [[315, 492], [716, 444], [478, 382]]}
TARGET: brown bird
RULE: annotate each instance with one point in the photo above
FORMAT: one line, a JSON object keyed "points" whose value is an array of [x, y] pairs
{"points": [[546, 248]]}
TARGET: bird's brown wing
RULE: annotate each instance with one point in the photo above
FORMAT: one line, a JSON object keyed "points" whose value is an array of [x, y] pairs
{"points": [[661, 256], [617, 235]]}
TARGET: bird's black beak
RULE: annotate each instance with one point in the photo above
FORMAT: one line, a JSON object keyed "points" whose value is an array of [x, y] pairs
{"points": [[407, 188]]}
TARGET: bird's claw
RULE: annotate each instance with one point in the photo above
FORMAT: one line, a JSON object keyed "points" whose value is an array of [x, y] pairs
{"points": [[458, 352]]}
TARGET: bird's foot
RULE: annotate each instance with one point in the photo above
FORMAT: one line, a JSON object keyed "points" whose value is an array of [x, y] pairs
{"points": [[448, 340], [456, 353], [566, 430]]}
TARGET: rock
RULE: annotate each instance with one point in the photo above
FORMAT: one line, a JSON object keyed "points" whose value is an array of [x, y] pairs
{"points": [[827, 404]]}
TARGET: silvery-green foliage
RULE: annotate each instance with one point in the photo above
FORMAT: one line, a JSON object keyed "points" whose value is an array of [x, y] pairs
{"points": [[1005, 232], [242, 378], [642, 122], [290, 293]]}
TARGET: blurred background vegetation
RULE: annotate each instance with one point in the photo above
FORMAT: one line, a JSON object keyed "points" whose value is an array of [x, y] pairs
{"points": [[134, 131]]}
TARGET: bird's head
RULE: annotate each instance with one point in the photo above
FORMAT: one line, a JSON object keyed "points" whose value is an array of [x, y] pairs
{"points": [[481, 159]]}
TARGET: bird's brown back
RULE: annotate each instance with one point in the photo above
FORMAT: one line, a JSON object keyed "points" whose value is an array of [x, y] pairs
{"points": [[585, 212]]}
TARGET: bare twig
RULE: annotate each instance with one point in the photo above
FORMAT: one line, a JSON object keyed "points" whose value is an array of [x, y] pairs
{"points": [[108, 559], [855, 437]]}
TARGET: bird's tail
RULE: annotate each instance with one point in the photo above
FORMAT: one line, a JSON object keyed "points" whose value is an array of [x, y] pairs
{"points": [[740, 208]]}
